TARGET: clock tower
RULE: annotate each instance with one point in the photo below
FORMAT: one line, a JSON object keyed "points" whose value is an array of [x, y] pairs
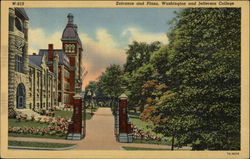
{"points": [[72, 46]]}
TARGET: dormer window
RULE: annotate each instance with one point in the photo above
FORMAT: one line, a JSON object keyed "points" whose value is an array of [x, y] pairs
{"points": [[18, 24]]}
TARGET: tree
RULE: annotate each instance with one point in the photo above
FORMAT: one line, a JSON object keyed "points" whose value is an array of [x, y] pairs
{"points": [[138, 54], [138, 69], [110, 82], [135, 87], [202, 105]]}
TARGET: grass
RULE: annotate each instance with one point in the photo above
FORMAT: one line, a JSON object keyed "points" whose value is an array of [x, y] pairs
{"points": [[37, 136], [150, 149], [38, 144], [15, 123], [35, 124], [145, 126], [62, 113], [152, 142], [88, 116]]}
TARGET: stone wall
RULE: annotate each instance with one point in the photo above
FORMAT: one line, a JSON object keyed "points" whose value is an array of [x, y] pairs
{"points": [[40, 84]]}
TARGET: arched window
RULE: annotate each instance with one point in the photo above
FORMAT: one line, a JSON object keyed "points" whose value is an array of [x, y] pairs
{"points": [[19, 63], [20, 96], [18, 24], [67, 47], [70, 48]]}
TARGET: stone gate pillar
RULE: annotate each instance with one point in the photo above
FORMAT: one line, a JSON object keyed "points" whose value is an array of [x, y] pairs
{"points": [[124, 128], [75, 130]]}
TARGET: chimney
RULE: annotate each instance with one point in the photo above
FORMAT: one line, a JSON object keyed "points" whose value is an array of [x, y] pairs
{"points": [[50, 52]]}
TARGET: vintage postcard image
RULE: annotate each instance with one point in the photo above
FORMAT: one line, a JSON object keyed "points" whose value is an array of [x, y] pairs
{"points": [[125, 79]]}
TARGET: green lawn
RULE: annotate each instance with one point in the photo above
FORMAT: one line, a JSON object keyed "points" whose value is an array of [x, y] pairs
{"points": [[62, 113], [15, 123], [88, 116], [38, 144], [150, 149], [152, 142], [145, 126], [142, 148], [37, 136]]}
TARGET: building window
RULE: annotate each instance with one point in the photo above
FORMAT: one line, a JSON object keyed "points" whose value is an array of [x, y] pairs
{"points": [[66, 74], [19, 63], [66, 85], [18, 24], [66, 98], [38, 80], [44, 79], [69, 48]]}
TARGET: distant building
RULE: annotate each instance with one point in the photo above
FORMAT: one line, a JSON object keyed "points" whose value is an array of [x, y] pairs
{"points": [[50, 78], [70, 69]]}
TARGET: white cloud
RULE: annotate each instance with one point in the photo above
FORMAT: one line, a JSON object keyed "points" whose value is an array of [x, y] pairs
{"points": [[99, 52], [39, 40], [136, 34]]}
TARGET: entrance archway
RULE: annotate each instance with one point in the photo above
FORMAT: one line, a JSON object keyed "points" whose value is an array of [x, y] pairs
{"points": [[20, 96]]}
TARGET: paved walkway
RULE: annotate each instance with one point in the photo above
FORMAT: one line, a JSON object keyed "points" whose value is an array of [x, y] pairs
{"points": [[100, 132], [99, 135]]}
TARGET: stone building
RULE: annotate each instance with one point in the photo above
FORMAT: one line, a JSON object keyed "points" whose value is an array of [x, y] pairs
{"points": [[18, 59], [50, 78], [42, 84], [61, 69]]}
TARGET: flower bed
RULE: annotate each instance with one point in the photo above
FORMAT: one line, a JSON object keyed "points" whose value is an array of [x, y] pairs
{"points": [[140, 134], [56, 126]]}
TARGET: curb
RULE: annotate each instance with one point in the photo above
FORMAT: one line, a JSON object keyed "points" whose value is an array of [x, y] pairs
{"points": [[41, 148]]}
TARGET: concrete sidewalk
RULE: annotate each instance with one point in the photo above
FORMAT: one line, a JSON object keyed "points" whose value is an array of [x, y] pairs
{"points": [[100, 132]]}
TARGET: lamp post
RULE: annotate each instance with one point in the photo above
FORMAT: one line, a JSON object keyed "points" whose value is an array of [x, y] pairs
{"points": [[94, 100], [89, 95]]}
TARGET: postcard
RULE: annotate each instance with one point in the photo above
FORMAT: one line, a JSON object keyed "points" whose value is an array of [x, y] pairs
{"points": [[124, 79]]}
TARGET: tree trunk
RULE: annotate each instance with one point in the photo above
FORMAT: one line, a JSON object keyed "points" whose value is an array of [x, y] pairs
{"points": [[172, 147]]}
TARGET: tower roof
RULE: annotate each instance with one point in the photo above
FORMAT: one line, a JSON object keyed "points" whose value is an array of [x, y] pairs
{"points": [[35, 60], [70, 31], [22, 12]]}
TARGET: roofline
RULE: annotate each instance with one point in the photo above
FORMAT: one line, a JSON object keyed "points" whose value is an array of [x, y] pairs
{"points": [[23, 13], [53, 49], [34, 66], [35, 55]]}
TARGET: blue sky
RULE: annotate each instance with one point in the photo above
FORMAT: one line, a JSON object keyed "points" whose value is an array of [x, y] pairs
{"points": [[105, 32]]}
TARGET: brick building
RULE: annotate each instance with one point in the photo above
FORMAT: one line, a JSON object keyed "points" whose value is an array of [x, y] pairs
{"points": [[70, 69], [50, 78]]}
